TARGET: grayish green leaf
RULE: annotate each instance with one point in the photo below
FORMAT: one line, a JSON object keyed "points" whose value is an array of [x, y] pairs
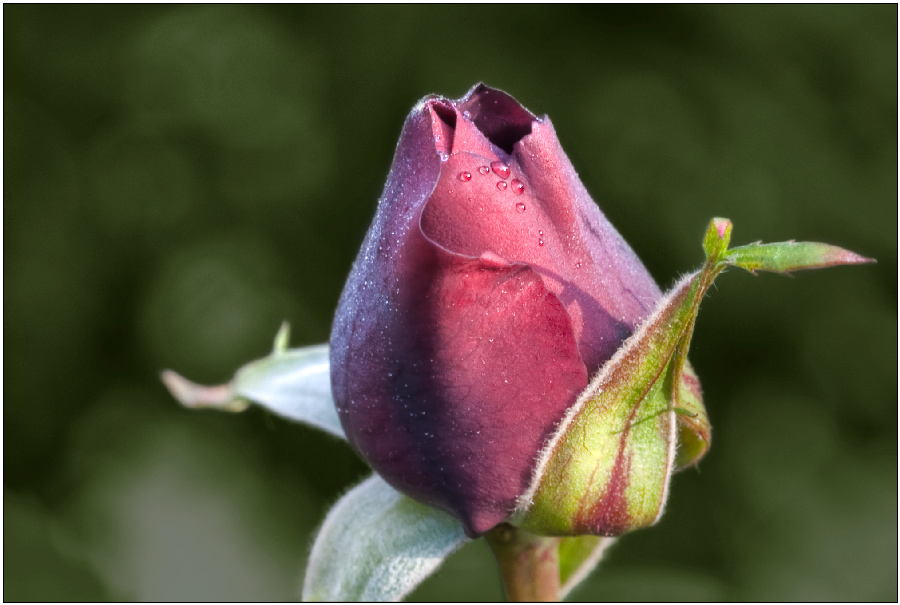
{"points": [[378, 545], [294, 383]]}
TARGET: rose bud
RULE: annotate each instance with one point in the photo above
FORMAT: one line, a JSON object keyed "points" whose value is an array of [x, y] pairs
{"points": [[488, 291]]}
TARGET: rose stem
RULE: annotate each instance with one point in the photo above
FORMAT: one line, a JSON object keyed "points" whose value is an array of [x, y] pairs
{"points": [[528, 563]]}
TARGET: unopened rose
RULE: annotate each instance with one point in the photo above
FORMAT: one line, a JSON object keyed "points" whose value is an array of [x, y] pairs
{"points": [[488, 291]]}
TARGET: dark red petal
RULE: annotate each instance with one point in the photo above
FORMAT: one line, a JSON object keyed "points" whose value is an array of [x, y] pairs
{"points": [[452, 392], [614, 282], [443, 124], [553, 226], [464, 330], [449, 371]]}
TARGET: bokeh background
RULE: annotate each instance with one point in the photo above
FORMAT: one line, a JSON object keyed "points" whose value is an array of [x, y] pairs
{"points": [[180, 179]]}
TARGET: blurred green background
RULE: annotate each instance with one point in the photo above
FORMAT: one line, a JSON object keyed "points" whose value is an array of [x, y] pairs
{"points": [[179, 179]]}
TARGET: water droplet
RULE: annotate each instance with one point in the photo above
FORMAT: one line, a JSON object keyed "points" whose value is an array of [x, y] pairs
{"points": [[465, 176], [520, 207], [445, 156], [578, 265], [467, 115], [518, 186], [500, 169], [501, 185], [540, 242], [540, 233], [483, 170]]}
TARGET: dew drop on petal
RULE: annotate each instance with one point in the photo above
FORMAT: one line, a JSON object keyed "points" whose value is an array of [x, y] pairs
{"points": [[445, 156], [483, 170], [520, 207], [518, 186], [465, 176], [500, 169], [467, 115], [501, 185], [540, 242], [578, 265]]}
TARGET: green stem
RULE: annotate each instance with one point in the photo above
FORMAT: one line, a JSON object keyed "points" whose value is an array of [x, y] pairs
{"points": [[528, 563]]}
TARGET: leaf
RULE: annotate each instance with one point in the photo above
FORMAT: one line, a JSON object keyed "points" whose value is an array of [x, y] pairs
{"points": [[378, 545], [578, 556], [784, 257], [293, 383]]}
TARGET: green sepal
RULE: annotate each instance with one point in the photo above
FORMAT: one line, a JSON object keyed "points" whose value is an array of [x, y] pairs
{"points": [[694, 429], [607, 468]]}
